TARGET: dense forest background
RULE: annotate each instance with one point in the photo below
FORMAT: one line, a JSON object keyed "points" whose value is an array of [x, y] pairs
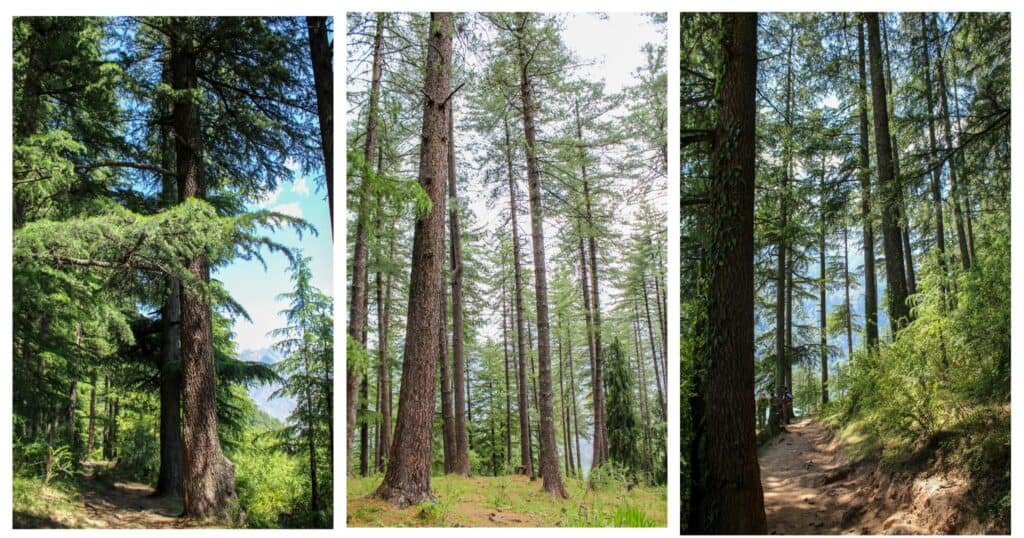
{"points": [[145, 153], [507, 313], [845, 236]]}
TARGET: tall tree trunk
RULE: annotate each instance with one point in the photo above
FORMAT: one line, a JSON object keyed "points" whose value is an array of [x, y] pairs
{"points": [[383, 368], [936, 182], [323, 80], [896, 278], [904, 218], [508, 395], [867, 217], [823, 344], [314, 488], [650, 333], [357, 310], [964, 178], [846, 280], [92, 417], [562, 415], [781, 266], [407, 480], [524, 397], [642, 382], [364, 428], [549, 456], [460, 459], [170, 476], [447, 411], [954, 185], [208, 477], [594, 308], [575, 411], [598, 440], [730, 499]]}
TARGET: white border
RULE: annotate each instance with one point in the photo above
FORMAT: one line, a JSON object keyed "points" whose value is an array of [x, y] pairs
{"points": [[337, 9]]}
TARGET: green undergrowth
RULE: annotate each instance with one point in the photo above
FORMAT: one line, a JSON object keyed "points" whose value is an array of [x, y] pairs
{"points": [[512, 501]]}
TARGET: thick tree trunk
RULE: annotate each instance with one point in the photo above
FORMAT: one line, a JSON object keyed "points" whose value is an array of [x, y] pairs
{"points": [[549, 456], [904, 218], [407, 480], [460, 458], [524, 398], [731, 500], [323, 80], [360, 252], [867, 217], [170, 477], [896, 278], [208, 477]]}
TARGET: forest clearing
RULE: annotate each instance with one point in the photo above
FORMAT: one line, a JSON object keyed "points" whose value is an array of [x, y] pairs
{"points": [[845, 251], [507, 330], [173, 318]]}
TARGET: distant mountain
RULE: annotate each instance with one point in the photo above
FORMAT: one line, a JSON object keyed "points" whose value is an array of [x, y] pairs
{"points": [[278, 408]]}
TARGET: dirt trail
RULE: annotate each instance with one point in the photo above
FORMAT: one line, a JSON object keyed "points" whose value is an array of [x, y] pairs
{"points": [[125, 505], [810, 488]]}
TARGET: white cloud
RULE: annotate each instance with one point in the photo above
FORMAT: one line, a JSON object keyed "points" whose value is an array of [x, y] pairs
{"points": [[293, 209], [300, 187], [270, 198]]}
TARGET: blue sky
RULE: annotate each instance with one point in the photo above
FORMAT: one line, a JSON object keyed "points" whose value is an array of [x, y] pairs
{"points": [[256, 288]]}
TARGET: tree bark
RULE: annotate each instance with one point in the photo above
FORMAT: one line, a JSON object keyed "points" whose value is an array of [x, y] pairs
{"points": [[954, 185], [731, 499], [407, 480], [549, 456], [383, 369], [323, 81], [92, 417], [508, 396], [460, 459], [896, 278], [936, 182], [593, 309], [663, 407], [526, 457], [822, 287], [357, 310], [867, 218], [447, 411], [170, 477], [208, 476]]}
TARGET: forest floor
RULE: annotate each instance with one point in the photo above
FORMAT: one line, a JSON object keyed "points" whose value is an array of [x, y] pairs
{"points": [[811, 488], [96, 500], [510, 501]]}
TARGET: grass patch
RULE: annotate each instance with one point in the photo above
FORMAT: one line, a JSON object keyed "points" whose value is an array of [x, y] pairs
{"points": [[511, 501], [39, 505]]}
